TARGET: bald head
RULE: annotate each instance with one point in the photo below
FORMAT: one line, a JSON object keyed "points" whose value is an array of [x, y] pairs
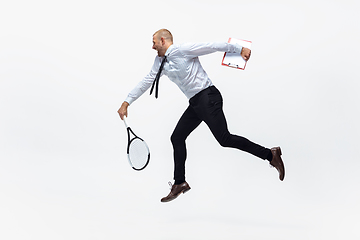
{"points": [[162, 40], [164, 33]]}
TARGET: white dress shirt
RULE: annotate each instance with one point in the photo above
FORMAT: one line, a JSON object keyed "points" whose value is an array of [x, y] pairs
{"points": [[183, 67]]}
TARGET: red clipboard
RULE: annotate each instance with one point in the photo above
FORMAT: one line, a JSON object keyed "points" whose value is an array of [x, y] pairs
{"points": [[235, 60]]}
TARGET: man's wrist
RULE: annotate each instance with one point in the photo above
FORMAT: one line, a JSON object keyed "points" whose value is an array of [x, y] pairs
{"points": [[125, 104]]}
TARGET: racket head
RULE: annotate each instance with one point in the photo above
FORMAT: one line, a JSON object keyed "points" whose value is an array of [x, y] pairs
{"points": [[138, 153]]}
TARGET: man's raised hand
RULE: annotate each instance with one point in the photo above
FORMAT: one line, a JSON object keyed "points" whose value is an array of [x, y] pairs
{"points": [[245, 53]]}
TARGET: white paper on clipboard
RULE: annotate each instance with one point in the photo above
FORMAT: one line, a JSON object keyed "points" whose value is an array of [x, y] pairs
{"points": [[234, 59]]}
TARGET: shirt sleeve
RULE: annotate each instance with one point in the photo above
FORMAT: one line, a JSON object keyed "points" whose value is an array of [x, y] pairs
{"points": [[145, 83], [192, 50]]}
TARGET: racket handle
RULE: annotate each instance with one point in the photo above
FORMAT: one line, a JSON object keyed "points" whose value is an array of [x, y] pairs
{"points": [[125, 122]]}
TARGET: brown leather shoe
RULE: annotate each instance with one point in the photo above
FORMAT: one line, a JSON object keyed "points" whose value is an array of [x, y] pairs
{"points": [[176, 190], [277, 162]]}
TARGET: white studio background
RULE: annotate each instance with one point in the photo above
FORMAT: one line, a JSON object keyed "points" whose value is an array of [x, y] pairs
{"points": [[66, 67]]}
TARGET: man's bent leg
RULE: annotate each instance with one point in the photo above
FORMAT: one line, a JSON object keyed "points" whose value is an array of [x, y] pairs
{"points": [[212, 113], [219, 129]]}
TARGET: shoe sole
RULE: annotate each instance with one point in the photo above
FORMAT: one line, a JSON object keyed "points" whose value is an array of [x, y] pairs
{"points": [[185, 190], [280, 153]]}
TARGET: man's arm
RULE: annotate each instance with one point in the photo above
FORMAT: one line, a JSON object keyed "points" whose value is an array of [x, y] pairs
{"points": [[198, 49], [140, 88]]}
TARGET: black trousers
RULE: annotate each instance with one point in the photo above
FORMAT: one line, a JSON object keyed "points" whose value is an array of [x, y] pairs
{"points": [[207, 106]]}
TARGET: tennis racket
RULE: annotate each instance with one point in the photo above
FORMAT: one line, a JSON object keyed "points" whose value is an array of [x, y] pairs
{"points": [[137, 150]]}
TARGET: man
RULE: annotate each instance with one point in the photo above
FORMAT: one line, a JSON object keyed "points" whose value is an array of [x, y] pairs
{"points": [[181, 64]]}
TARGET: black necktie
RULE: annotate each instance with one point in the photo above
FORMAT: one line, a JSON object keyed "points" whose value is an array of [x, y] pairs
{"points": [[156, 80]]}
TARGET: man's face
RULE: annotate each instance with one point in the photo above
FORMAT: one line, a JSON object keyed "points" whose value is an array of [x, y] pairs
{"points": [[158, 45]]}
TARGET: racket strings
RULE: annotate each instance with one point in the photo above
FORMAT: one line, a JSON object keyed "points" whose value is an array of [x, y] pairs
{"points": [[138, 153]]}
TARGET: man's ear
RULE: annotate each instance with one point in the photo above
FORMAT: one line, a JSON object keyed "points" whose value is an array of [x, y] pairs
{"points": [[162, 40]]}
